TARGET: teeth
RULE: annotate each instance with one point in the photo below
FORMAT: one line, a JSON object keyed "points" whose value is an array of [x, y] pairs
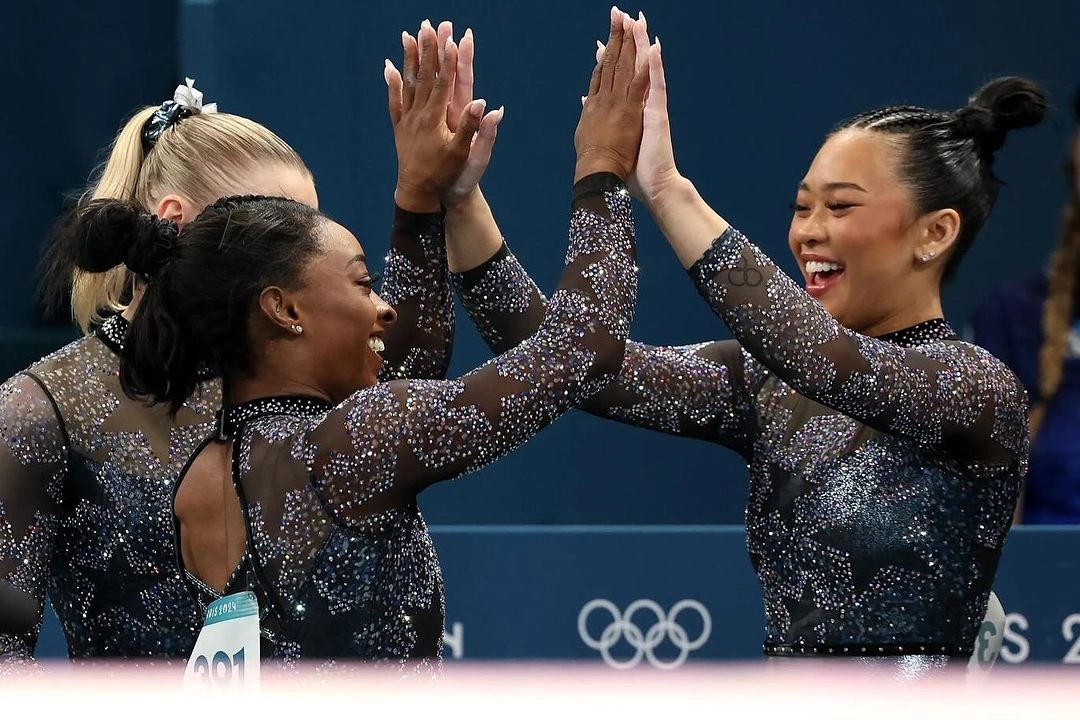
{"points": [[815, 266], [376, 344]]}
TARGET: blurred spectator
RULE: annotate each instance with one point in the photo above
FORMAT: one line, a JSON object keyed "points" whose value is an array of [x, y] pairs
{"points": [[1034, 327]]}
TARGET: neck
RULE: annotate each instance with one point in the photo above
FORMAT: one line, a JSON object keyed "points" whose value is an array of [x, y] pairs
{"points": [[267, 383], [904, 318]]}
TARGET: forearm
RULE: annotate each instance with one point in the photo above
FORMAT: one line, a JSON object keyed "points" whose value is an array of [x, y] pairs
{"points": [[472, 235], [686, 220]]}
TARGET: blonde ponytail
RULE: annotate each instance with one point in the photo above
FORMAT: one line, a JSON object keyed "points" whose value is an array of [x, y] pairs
{"points": [[201, 158]]}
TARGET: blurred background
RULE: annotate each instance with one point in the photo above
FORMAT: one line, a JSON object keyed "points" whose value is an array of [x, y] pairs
{"points": [[753, 87]]}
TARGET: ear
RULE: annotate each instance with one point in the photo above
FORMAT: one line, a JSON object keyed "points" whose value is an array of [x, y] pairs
{"points": [[176, 208], [279, 307], [938, 232]]}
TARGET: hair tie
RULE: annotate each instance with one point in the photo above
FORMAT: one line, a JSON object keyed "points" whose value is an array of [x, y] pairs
{"points": [[186, 101], [152, 248]]}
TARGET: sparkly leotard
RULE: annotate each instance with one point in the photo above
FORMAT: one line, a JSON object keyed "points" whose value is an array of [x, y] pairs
{"points": [[883, 471], [87, 474], [338, 551]]}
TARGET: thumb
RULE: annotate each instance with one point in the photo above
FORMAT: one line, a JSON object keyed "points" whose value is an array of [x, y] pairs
{"points": [[468, 126]]}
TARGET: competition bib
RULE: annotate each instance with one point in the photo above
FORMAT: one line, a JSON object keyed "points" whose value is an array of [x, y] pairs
{"points": [[226, 655]]}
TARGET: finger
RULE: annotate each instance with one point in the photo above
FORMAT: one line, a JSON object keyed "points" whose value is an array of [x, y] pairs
{"points": [[641, 41], [463, 84], [444, 83], [425, 73], [393, 89], [614, 46], [444, 32], [657, 83], [467, 126], [480, 153], [600, 47], [409, 62], [639, 85], [626, 65], [594, 81]]}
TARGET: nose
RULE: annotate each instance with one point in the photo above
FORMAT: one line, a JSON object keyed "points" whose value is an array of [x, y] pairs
{"points": [[384, 311], [808, 230]]}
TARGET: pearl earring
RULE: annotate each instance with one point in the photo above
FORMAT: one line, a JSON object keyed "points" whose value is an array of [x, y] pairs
{"points": [[928, 256]]}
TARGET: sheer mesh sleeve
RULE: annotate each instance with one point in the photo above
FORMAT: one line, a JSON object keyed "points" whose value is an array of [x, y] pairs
{"points": [[401, 436], [33, 459], [949, 393], [416, 283], [703, 391]]}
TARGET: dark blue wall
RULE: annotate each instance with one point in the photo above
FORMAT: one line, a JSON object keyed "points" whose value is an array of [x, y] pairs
{"points": [[754, 87]]}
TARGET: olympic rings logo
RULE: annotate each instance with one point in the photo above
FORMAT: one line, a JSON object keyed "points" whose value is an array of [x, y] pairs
{"points": [[623, 627]]}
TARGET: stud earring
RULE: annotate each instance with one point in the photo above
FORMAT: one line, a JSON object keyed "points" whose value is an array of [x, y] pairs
{"points": [[928, 256], [297, 329]]}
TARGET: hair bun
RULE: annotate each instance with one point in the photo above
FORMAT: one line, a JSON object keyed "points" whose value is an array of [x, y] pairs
{"points": [[1003, 104], [116, 233]]}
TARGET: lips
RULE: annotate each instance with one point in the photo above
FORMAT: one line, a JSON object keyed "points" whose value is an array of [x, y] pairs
{"points": [[376, 344]]}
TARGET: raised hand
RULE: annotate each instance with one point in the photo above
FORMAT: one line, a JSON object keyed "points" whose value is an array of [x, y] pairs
{"points": [[431, 156], [655, 169], [482, 145], [608, 134]]}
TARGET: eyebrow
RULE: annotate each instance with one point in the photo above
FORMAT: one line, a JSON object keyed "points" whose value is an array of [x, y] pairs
{"points": [[835, 186], [359, 257]]}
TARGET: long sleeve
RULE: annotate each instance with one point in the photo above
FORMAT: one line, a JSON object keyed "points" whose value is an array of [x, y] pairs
{"points": [[416, 283], [951, 394], [702, 391], [400, 437], [33, 459]]}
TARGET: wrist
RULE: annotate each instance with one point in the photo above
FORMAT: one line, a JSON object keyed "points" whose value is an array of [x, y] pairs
{"points": [[457, 203], [594, 161], [669, 190], [416, 199]]}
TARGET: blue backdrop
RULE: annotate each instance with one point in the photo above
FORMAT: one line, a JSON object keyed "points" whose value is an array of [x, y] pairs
{"points": [[753, 86]]}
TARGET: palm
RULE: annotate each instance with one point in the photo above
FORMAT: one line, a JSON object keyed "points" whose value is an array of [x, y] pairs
{"points": [[656, 159]]}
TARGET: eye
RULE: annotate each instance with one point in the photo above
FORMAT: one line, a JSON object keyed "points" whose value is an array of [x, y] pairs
{"points": [[798, 207], [369, 282], [840, 207]]}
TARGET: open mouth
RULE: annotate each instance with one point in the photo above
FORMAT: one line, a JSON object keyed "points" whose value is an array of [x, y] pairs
{"points": [[376, 344], [823, 275]]}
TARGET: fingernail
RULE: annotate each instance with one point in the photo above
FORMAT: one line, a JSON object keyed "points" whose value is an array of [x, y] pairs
{"points": [[641, 16], [657, 38], [468, 32], [426, 24], [599, 45], [502, 112], [614, 13], [583, 98], [477, 108]]}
